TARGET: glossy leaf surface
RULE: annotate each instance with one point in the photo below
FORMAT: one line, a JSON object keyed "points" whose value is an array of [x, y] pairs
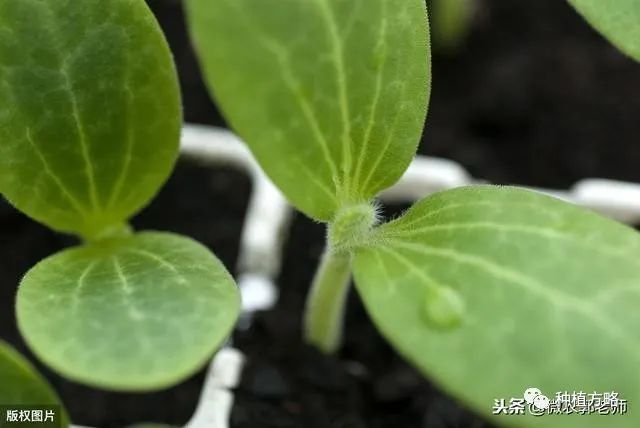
{"points": [[21, 385], [137, 313], [90, 111], [330, 95], [542, 294], [617, 20]]}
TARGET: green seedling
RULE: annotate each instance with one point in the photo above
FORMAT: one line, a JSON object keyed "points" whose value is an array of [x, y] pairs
{"points": [[618, 21], [21, 387], [89, 128], [487, 290]]}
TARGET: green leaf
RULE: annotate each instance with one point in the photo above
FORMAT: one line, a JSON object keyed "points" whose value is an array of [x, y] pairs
{"points": [[136, 313], [544, 294], [330, 95], [90, 113], [21, 385], [618, 21]]}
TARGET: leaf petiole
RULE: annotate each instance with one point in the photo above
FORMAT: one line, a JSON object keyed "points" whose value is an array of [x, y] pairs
{"points": [[119, 230], [325, 309], [326, 303]]}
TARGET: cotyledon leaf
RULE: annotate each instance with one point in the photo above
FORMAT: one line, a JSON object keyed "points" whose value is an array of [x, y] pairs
{"points": [[617, 20], [21, 385], [550, 297], [330, 95], [135, 313], [90, 111]]}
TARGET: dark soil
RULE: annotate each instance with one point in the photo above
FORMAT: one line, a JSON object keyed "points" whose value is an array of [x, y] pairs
{"points": [[534, 97]]}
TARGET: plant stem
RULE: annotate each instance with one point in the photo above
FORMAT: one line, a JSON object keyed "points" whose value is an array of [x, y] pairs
{"points": [[326, 303], [120, 230]]}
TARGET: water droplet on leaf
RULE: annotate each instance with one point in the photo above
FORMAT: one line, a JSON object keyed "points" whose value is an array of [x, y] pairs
{"points": [[443, 308]]}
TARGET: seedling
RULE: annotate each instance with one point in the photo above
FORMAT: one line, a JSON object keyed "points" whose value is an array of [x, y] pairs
{"points": [[619, 22], [487, 290], [21, 385], [89, 129]]}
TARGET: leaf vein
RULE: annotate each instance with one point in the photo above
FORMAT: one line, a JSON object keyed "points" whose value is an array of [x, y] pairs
{"points": [[75, 111], [341, 81], [376, 98], [49, 171], [529, 284], [511, 228], [81, 283]]}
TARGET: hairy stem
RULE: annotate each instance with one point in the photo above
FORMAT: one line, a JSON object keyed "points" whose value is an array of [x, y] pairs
{"points": [[325, 309]]}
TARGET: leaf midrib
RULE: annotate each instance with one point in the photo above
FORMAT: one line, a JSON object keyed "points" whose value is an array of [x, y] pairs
{"points": [[545, 232], [375, 101], [341, 82], [68, 87], [290, 81], [532, 285]]}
